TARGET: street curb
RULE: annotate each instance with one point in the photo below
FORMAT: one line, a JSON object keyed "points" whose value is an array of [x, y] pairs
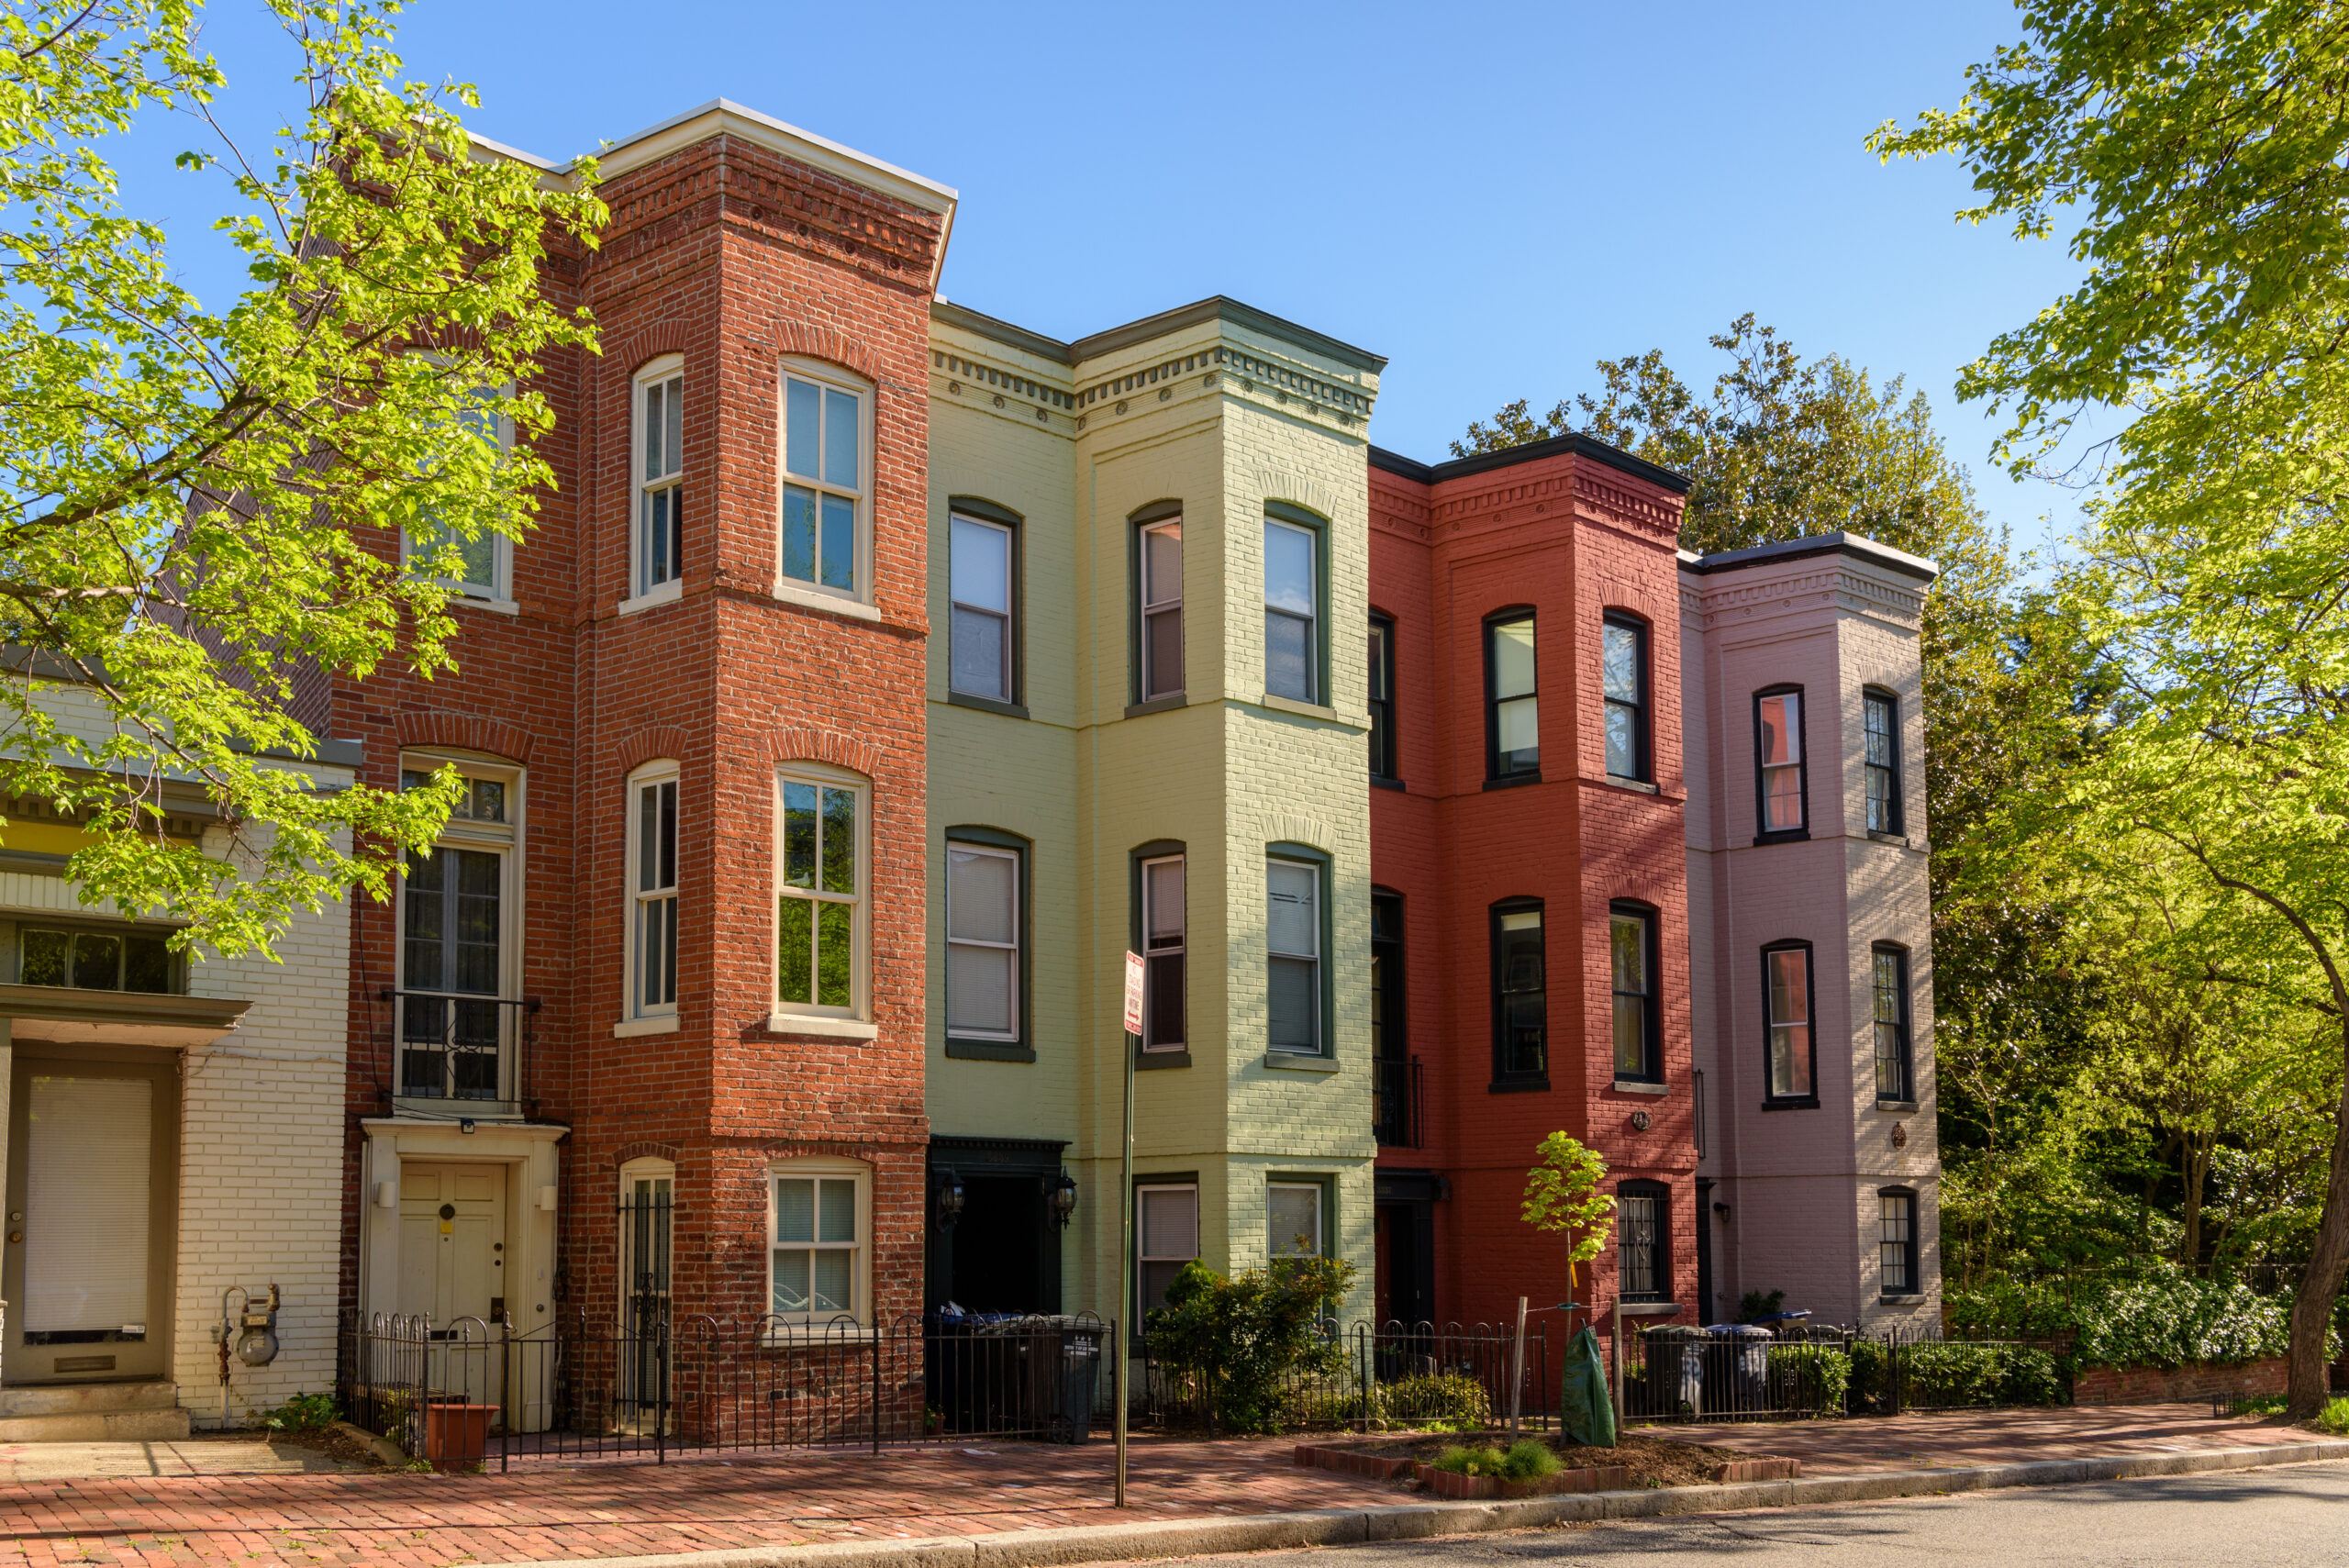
{"points": [[1415, 1521]]}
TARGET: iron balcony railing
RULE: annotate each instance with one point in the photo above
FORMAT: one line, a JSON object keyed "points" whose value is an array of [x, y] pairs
{"points": [[455, 1045], [1395, 1101]]}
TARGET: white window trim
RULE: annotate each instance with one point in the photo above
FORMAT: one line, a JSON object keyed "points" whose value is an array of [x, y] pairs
{"points": [[1313, 695], [498, 593], [1010, 615], [999, 853], [783, 1325], [1321, 1217], [854, 1021], [796, 590], [503, 838], [667, 367], [1146, 608], [663, 770]]}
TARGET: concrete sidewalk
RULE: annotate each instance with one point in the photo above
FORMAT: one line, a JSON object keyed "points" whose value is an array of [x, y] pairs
{"points": [[989, 1504]]}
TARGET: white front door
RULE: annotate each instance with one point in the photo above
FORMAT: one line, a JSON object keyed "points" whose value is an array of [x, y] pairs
{"points": [[453, 1268]]}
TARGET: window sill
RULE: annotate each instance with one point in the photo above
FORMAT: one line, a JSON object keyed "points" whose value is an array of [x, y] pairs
{"points": [[1513, 780], [792, 593], [1302, 710], [1901, 1300], [1899, 838], [673, 589], [1519, 1085], [1156, 705], [1905, 1107], [1297, 1061], [1639, 1086], [1646, 1308], [1783, 836], [1378, 782], [630, 1029], [989, 1051], [1149, 1060], [1794, 1103], [496, 606], [832, 1028], [986, 704], [1637, 786]]}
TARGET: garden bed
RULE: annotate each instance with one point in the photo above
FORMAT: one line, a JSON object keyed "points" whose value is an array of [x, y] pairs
{"points": [[1636, 1460]]}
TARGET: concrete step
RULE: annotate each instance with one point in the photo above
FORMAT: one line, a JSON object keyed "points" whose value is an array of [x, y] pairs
{"points": [[92, 1412]]}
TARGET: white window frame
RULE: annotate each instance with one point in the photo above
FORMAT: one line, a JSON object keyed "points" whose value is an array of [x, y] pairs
{"points": [[821, 1168], [1143, 1257], [955, 607], [1276, 1247], [641, 488], [646, 1168], [1180, 948], [1312, 618], [996, 852], [498, 592], [652, 776], [1152, 608], [503, 838], [833, 378], [1317, 958], [860, 901]]}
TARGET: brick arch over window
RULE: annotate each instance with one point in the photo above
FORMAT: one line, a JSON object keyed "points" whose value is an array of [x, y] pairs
{"points": [[816, 342], [1287, 827], [641, 348], [806, 745], [654, 741], [466, 732], [643, 1148]]}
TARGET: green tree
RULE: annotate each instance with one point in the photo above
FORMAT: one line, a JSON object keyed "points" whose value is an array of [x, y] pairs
{"points": [[2201, 152], [1562, 1196], [202, 504]]}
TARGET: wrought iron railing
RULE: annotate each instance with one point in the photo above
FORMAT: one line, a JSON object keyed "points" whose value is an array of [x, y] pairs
{"points": [[1366, 1377], [1395, 1101], [452, 1045]]}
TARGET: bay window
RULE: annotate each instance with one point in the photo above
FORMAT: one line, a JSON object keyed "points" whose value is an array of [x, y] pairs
{"points": [[1781, 785], [1520, 993], [659, 543], [1880, 713], [1623, 659], [1292, 594], [1631, 958], [1293, 956], [1162, 610], [818, 1264], [824, 479], [819, 898], [1512, 715], [653, 890]]}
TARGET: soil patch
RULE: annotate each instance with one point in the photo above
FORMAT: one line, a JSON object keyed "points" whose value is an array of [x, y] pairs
{"points": [[1653, 1461], [333, 1442]]}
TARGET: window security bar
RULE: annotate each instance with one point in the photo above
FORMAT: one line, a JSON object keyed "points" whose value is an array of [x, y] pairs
{"points": [[457, 1045]]}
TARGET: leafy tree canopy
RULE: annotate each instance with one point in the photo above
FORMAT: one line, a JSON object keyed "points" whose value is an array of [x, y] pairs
{"points": [[200, 503]]}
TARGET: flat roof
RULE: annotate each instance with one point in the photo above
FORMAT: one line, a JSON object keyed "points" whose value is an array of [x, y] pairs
{"points": [[1215, 307], [1573, 444], [1857, 546]]}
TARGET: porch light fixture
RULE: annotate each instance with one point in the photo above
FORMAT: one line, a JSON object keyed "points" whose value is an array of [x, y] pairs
{"points": [[947, 1198], [466, 1125], [1060, 1197]]}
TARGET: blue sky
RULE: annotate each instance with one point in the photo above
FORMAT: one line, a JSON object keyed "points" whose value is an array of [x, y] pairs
{"points": [[1494, 197]]}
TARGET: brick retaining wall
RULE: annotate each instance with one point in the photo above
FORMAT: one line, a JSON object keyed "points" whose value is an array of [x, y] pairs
{"points": [[2166, 1385]]}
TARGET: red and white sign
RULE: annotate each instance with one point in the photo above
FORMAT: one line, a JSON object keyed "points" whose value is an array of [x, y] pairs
{"points": [[1133, 993]]}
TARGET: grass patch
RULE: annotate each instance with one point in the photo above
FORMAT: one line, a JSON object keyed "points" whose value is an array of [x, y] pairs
{"points": [[1528, 1460], [2334, 1418]]}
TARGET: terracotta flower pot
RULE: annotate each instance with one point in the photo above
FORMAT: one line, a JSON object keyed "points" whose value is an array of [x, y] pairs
{"points": [[456, 1433]]}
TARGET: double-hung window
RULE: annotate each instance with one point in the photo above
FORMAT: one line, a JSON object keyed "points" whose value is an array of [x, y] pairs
{"points": [[1631, 958], [1623, 659], [1166, 1237], [1787, 1000], [653, 890], [1292, 593], [819, 901], [1162, 610], [979, 585], [1293, 1219], [479, 567], [823, 480], [1642, 1231], [1521, 995], [1162, 937], [1293, 956], [1512, 717], [817, 1263], [453, 953], [1896, 1241], [660, 477], [1894, 1078], [1780, 788], [1381, 699], [982, 942], [1880, 715]]}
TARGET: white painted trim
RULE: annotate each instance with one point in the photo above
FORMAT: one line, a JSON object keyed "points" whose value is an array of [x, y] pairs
{"points": [[723, 116], [659, 1023], [674, 588], [792, 592], [816, 1024]]}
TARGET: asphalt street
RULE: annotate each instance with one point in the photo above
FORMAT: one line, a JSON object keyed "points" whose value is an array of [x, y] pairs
{"points": [[2276, 1518]]}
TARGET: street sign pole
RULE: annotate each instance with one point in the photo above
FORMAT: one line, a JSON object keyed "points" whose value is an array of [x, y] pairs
{"points": [[1123, 1330]]}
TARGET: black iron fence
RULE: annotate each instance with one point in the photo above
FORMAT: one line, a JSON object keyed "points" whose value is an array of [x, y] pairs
{"points": [[473, 1392], [1750, 1374], [1395, 1091], [1365, 1377]]}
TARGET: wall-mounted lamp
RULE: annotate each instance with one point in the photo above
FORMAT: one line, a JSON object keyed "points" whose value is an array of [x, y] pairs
{"points": [[1721, 1210], [1638, 1121], [946, 1198], [1060, 1197], [466, 1125]]}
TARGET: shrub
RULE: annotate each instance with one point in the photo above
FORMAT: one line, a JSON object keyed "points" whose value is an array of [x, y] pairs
{"points": [[2333, 1418], [303, 1413], [1952, 1373], [1754, 1304], [1449, 1402], [1811, 1378], [1252, 1339], [1528, 1460], [2164, 1318]]}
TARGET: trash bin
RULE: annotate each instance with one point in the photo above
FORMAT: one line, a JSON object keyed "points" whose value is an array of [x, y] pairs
{"points": [[1675, 1371], [977, 1375], [1740, 1369], [1064, 1376]]}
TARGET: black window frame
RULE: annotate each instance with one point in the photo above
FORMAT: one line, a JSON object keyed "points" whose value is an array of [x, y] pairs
{"points": [[1808, 1099], [979, 510], [1021, 1046], [1910, 1252], [1390, 1026], [1763, 835], [1643, 710], [1384, 762], [1904, 1061], [1659, 1243], [1651, 1042], [1506, 1078], [1896, 823], [1494, 777], [1140, 856]]}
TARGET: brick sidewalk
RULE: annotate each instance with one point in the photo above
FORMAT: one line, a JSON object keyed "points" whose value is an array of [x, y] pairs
{"points": [[608, 1509]]}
